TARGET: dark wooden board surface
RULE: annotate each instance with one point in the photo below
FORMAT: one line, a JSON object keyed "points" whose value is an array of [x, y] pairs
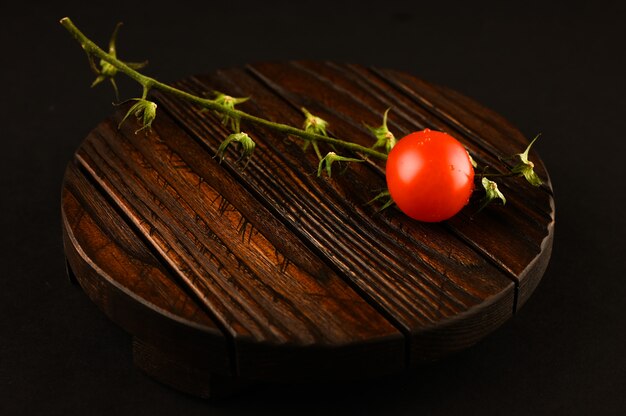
{"points": [[272, 273]]}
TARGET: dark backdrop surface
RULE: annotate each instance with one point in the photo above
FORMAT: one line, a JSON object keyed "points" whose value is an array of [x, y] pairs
{"points": [[556, 69]]}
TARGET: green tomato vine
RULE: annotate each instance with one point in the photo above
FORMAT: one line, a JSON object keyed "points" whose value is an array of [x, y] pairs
{"points": [[313, 131]]}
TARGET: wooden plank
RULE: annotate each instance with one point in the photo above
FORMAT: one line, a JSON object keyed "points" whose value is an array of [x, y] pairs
{"points": [[481, 125], [260, 295], [124, 278], [178, 371], [527, 221], [417, 284]]}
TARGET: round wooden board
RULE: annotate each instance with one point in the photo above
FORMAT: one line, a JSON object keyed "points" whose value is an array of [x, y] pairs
{"points": [[224, 275]]}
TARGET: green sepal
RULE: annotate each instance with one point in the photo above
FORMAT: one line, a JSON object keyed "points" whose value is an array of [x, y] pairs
{"points": [[229, 103], [144, 110], [386, 205], [526, 168], [384, 137], [316, 148], [112, 47], [492, 193], [98, 80], [114, 85], [330, 158], [246, 142], [105, 70], [227, 100], [314, 124], [528, 172], [137, 65], [384, 194], [471, 159]]}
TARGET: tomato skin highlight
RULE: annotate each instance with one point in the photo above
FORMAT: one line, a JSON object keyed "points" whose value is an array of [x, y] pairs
{"points": [[429, 175]]}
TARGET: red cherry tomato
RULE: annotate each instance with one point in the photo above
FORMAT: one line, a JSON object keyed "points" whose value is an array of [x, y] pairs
{"points": [[429, 175]]}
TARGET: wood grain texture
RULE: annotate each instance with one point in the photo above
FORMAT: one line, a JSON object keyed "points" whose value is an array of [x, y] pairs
{"points": [[296, 275], [124, 278]]}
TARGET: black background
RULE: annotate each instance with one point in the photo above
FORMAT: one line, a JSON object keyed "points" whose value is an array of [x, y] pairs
{"points": [[555, 69]]}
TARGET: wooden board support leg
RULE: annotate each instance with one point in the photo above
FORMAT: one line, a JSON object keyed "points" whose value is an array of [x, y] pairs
{"points": [[168, 369], [275, 275], [70, 274]]}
